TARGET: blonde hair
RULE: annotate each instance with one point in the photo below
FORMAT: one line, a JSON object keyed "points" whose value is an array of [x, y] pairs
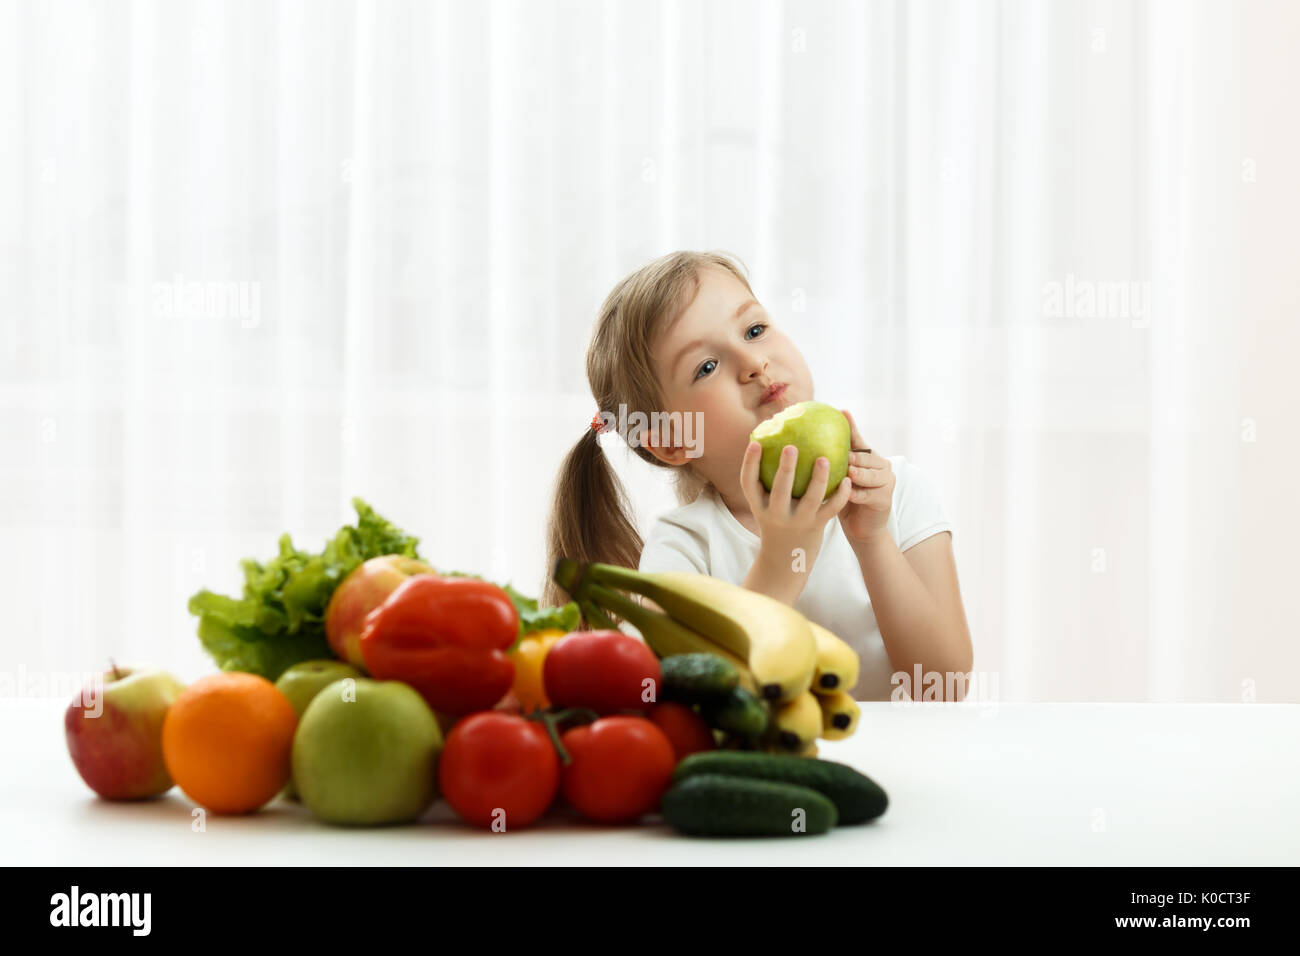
{"points": [[591, 518]]}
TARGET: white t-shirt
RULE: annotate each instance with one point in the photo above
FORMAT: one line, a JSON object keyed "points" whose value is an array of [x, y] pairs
{"points": [[706, 538]]}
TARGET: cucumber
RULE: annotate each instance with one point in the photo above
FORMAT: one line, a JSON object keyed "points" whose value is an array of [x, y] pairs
{"points": [[693, 678], [856, 796], [739, 712], [717, 805]]}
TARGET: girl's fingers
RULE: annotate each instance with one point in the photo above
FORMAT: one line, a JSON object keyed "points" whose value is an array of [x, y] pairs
{"points": [[868, 459], [857, 441], [816, 489], [861, 496], [784, 479], [836, 502], [868, 477]]}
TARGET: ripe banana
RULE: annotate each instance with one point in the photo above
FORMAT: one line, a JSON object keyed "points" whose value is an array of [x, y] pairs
{"points": [[839, 715], [661, 633], [795, 725], [773, 638], [837, 663]]}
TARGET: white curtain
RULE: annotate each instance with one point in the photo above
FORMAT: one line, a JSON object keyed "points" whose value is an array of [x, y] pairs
{"points": [[261, 257]]}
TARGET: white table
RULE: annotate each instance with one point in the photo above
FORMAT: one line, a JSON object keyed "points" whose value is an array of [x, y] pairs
{"points": [[978, 783]]}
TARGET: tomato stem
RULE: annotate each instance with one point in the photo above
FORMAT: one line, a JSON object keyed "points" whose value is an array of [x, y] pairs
{"points": [[569, 713], [551, 719]]}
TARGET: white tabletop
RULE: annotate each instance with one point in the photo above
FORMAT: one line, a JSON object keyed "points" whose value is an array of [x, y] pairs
{"points": [[978, 783]]}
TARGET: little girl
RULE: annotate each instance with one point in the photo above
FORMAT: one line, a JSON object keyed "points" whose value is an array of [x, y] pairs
{"points": [[872, 563]]}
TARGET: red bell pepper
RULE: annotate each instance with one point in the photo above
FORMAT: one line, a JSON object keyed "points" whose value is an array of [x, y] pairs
{"points": [[446, 637]]}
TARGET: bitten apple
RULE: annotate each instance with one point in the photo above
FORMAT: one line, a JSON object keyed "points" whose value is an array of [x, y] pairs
{"points": [[114, 732], [367, 587], [816, 430]]}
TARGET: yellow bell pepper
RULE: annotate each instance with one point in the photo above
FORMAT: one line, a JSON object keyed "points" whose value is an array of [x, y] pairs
{"points": [[529, 657]]}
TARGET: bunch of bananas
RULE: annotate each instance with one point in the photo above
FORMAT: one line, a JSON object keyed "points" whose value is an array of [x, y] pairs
{"points": [[799, 671]]}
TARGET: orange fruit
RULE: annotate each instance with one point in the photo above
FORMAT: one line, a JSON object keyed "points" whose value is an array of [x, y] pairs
{"points": [[227, 741]]}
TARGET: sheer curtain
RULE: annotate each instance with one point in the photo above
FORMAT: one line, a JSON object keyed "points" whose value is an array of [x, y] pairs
{"points": [[262, 257]]}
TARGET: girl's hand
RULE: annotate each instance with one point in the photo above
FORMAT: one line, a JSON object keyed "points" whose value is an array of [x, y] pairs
{"points": [[784, 523], [867, 515]]}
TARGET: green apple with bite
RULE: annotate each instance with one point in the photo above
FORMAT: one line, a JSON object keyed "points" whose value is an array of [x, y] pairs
{"points": [[816, 430], [113, 729], [366, 753], [302, 682], [363, 590]]}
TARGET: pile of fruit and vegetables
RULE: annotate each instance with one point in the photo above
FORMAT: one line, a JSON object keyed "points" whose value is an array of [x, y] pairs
{"points": [[366, 684]]}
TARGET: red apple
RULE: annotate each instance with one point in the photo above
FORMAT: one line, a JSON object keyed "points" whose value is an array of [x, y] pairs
{"points": [[114, 732], [367, 587]]}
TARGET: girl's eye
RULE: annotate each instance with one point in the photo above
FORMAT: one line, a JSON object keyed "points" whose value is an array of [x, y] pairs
{"points": [[705, 368]]}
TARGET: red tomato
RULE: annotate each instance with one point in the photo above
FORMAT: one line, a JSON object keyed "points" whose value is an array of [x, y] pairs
{"points": [[496, 766], [686, 730], [607, 671], [620, 768]]}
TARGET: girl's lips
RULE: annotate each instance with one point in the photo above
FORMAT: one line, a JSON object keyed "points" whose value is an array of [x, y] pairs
{"points": [[774, 392]]}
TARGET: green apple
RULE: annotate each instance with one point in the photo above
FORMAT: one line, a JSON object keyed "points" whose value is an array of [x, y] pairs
{"points": [[303, 681], [817, 430], [113, 729], [366, 753]]}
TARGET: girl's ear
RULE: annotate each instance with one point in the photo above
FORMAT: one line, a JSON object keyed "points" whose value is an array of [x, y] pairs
{"points": [[670, 454]]}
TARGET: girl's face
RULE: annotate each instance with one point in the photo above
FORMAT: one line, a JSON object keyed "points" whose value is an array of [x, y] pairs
{"points": [[716, 363]]}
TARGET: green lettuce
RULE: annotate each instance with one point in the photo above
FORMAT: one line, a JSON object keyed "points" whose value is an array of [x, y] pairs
{"points": [[534, 618], [280, 620]]}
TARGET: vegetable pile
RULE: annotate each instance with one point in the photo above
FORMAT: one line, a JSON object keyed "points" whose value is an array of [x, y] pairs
{"points": [[395, 684]]}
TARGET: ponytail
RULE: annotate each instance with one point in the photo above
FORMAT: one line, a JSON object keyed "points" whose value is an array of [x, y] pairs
{"points": [[590, 517]]}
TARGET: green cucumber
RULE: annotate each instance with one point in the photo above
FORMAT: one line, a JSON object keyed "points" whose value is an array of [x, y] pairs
{"points": [[739, 712], [856, 796], [693, 678], [717, 805]]}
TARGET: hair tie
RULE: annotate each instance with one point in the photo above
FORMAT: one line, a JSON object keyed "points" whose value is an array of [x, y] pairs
{"points": [[597, 424]]}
